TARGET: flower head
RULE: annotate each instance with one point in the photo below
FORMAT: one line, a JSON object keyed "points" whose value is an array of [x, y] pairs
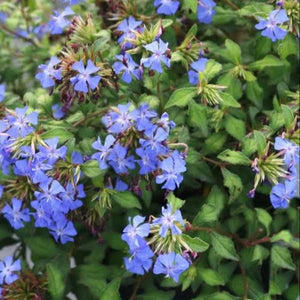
{"points": [[7, 270], [171, 264], [167, 221], [58, 21], [154, 61], [166, 7], [127, 67], [205, 11], [197, 67], [15, 215], [84, 77], [282, 193], [128, 26], [291, 151], [49, 73], [269, 26], [2, 91]]}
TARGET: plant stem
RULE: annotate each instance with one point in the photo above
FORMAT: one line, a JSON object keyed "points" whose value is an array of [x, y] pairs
{"points": [[136, 288]]}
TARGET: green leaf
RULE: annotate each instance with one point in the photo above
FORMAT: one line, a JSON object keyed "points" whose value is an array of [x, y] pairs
{"points": [[61, 133], [264, 218], [190, 4], [196, 244], [214, 142], [175, 203], [91, 169], [288, 238], [234, 157], [112, 290], [255, 93], [210, 277], [266, 62], [235, 127], [166, 22], [260, 253], [281, 257], [126, 199], [256, 9], [56, 285], [233, 182], [233, 85], [198, 117], [288, 116], [224, 246], [288, 46], [212, 69], [233, 52], [181, 97], [261, 142], [228, 100]]}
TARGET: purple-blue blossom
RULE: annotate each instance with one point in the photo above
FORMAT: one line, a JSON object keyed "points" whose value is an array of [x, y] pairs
{"points": [[166, 7], [167, 221], [290, 150], [57, 112], [127, 67], [171, 264], [84, 78], [159, 49], [104, 150], [270, 26], [282, 193], [58, 21], [197, 67], [136, 228], [8, 269], [2, 91], [205, 11], [15, 215], [127, 27], [171, 167], [49, 73], [63, 230], [141, 258]]}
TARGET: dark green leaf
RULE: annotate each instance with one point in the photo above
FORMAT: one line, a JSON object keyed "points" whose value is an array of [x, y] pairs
{"points": [[181, 97], [224, 246], [126, 199], [234, 157]]}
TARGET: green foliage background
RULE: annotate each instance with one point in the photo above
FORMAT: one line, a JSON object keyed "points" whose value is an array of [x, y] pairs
{"points": [[253, 250]]}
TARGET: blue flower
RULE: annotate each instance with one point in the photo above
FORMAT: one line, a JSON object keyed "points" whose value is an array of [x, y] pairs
{"points": [[205, 11], [128, 67], [167, 221], [42, 215], [128, 26], [290, 149], [1, 191], [171, 264], [49, 73], [148, 161], [118, 160], [58, 22], [172, 167], [21, 121], [281, 193], [166, 7], [269, 26], [57, 112], [165, 123], [51, 152], [197, 66], [141, 259], [15, 215], [119, 120], [80, 81], [142, 117], [154, 61], [132, 231], [104, 150], [8, 269], [2, 91], [63, 230]]}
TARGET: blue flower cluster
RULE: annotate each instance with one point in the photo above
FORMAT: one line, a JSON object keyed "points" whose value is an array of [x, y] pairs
{"points": [[270, 26], [283, 192], [8, 269], [36, 160], [147, 146], [170, 263]]}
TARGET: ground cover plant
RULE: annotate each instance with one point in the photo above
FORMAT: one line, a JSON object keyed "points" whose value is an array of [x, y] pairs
{"points": [[149, 149]]}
